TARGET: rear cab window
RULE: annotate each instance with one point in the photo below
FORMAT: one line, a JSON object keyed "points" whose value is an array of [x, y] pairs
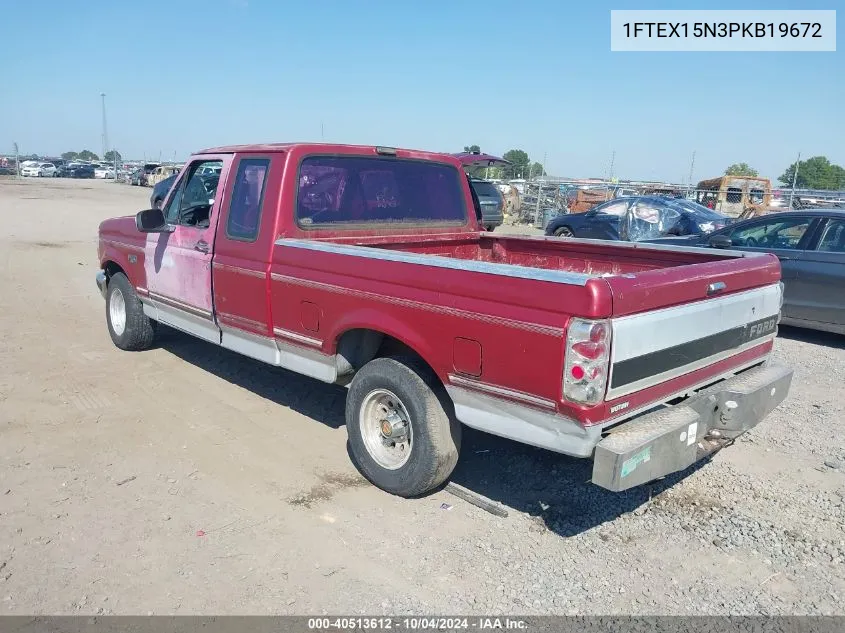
{"points": [[339, 192]]}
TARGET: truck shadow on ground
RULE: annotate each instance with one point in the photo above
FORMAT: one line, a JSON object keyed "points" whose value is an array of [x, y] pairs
{"points": [[552, 488], [814, 337]]}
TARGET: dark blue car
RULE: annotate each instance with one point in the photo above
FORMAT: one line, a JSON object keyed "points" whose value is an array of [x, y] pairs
{"points": [[638, 218]]}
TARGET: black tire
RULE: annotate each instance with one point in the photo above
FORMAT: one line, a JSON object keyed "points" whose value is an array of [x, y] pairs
{"points": [[139, 330], [564, 231], [435, 433]]}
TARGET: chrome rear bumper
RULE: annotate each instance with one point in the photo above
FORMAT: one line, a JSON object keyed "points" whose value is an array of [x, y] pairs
{"points": [[102, 282], [674, 438]]}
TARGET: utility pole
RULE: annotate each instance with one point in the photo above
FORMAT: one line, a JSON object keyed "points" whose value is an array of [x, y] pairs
{"points": [[691, 167], [105, 131], [322, 132], [610, 174], [794, 179]]}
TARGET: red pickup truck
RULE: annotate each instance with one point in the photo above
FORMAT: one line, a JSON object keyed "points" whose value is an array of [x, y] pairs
{"points": [[366, 266]]}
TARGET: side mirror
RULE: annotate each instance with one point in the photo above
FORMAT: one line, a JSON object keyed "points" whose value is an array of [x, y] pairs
{"points": [[151, 221], [721, 241]]}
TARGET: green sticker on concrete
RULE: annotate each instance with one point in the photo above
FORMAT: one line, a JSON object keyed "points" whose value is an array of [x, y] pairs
{"points": [[630, 464]]}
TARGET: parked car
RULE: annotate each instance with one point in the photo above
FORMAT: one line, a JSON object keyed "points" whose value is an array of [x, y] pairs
{"points": [[160, 191], [491, 201], [101, 171], [368, 269], [141, 175], [160, 173], [811, 247], [638, 218], [77, 170], [39, 170]]}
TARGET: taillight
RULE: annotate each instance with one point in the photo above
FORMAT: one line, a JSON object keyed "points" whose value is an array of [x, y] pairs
{"points": [[587, 360]]}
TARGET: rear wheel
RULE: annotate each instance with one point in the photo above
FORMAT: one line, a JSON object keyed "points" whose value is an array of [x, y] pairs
{"points": [[401, 434], [564, 231], [130, 329]]}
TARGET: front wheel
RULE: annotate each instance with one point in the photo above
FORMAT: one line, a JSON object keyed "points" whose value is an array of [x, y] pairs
{"points": [[564, 231], [402, 435], [130, 329]]}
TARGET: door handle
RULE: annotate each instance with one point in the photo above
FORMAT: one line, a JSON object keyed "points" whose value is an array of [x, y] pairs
{"points": [[201, 246]]}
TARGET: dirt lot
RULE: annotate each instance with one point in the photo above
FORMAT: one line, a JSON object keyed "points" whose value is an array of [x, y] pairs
{"points": [[187, 479]]}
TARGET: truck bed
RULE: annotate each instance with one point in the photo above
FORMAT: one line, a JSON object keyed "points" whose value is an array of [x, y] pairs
{"points": [[636, 277]]}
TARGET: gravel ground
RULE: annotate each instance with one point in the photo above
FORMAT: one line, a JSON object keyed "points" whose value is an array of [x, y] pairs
{"points": [[189, 480]]}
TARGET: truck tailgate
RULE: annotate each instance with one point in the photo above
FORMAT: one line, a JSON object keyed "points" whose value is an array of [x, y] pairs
{"points": [[655, 346], [672, 321]]}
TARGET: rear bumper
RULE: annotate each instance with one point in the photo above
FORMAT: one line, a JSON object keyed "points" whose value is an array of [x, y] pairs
{"points": [[492, 218], [674, 438], [102, 282]]}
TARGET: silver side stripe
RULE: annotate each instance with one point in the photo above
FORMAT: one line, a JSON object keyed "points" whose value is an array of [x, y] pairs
{"points": [[488, 268], [419, 305], [297, 338], [240, 271], [239, 320], [180, 305], [502, 392]]}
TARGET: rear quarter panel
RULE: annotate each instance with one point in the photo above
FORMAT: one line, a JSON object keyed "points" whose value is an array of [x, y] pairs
{"points": [[518, 323]]}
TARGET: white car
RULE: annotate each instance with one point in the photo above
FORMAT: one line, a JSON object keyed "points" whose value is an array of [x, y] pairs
{"points": [[104, 172], [39, 170]]}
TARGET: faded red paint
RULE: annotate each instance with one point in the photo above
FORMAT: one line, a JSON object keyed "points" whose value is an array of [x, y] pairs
{"points": [[519, 324]]}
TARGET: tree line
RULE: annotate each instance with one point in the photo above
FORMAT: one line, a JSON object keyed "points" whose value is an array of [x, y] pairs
{"points": [[89, 156], [814, 173]]}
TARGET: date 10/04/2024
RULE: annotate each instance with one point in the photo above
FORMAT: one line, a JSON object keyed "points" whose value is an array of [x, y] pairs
{"points": [[417, 623], [702, 30]]}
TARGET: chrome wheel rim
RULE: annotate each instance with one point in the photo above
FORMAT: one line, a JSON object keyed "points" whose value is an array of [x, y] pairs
{"points": [[386, 429], [117, 311]]}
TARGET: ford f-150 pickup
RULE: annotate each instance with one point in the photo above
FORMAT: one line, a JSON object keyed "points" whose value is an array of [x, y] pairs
{"points": [[366, 266]]}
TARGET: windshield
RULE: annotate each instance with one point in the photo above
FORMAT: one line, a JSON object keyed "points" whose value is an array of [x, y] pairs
{"points": [[349, 190], [700, 212]]}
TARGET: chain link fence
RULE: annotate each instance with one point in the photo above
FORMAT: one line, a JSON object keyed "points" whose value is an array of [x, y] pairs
{"points": [[537, 202]]}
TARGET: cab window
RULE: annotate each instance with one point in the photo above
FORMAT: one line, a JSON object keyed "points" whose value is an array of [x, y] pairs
{"points": [[734, 195], [247, 199], [191, 203]]}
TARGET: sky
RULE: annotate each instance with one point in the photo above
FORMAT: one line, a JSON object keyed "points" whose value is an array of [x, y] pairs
{"points": [[183, 75]]}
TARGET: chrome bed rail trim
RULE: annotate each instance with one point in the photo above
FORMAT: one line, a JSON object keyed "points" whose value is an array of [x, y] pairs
{"points": [[488, 268]]}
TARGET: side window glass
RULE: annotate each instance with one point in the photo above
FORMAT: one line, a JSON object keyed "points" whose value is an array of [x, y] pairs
{"points": [[247, 199], [785, 234], [171, 212], [833, 239], [617, 209], [191, 203]]}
